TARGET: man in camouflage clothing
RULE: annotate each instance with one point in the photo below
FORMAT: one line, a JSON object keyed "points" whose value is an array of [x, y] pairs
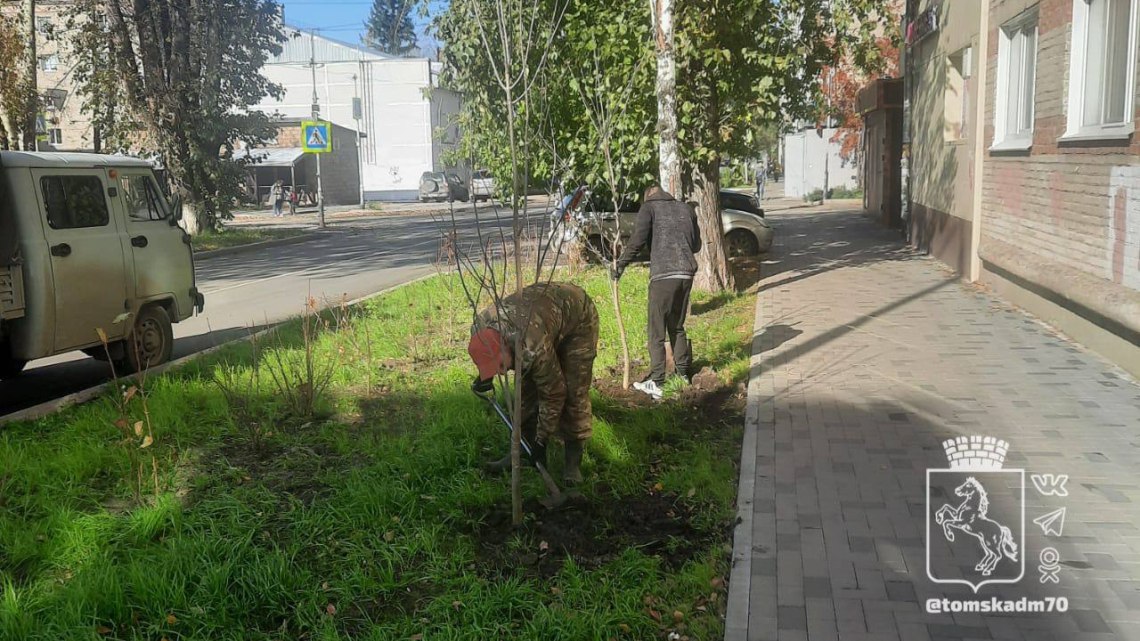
{"points": [[559, 326]]}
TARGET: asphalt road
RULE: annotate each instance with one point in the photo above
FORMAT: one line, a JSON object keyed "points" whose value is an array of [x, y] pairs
{"points": [[247, 290]]}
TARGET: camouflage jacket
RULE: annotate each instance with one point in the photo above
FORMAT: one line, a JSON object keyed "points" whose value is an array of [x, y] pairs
{"points": [[555, 311]]}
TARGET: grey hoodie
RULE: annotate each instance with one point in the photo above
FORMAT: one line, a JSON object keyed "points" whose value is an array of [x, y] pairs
{"points": [[670, 229]]}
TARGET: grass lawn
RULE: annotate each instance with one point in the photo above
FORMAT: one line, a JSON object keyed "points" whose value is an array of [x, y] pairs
{"points": [[236, 236], [372, 520]]}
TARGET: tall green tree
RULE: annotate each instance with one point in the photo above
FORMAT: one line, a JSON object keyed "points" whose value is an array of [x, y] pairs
{"points": [[389, 27], [177, 80]]}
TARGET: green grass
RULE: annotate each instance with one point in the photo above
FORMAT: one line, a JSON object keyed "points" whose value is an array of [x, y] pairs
{"points": [[369, 521], [237, 236]]}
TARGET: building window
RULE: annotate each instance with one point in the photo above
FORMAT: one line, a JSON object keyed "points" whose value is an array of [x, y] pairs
{"points": [[44, 25], [957, 95], [49, 63], [55, 99], [1103, 73], [55, 136], [1017, 71]]}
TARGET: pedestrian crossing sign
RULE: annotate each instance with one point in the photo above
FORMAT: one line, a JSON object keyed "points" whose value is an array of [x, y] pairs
{"points": [[316, 137]]}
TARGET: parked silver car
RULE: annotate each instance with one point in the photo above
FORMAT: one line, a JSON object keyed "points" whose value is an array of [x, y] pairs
{"points": [[442, 187], [745, 233]]}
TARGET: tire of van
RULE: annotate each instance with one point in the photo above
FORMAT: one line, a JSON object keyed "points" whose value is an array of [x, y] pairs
{"points": [[151, 342], [9, 367]]}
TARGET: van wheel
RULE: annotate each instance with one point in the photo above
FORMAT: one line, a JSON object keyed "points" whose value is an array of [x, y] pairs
{"points": [[9, 367], [151, 342]]}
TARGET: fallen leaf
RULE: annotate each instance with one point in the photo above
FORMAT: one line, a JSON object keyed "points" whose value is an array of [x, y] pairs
{"points": [[692, 492], [655, 615], [624, 628], [556, 591], [121, 423], [702, 608], [456, 604], [103, 630], [416, 637], [147, 442], [130, 393], [427, 497], [389, 536], [658, 487], [717, 582], [544, 546], [103, 338], [331, 609], [171, 619], [678, 616], [325, 585], [138, 428]]}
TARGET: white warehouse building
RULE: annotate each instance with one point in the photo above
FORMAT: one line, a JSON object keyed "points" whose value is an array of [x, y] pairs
{"points": [[812, 158], [406, 122]]}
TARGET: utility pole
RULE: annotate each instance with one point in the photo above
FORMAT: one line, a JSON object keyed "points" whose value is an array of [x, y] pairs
{"points": [[317, 116], [827, 139], [358, 115], [32, 66]]}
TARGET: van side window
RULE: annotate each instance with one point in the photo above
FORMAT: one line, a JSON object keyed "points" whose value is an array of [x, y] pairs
{"points": [[140, 198], [74, 202]]}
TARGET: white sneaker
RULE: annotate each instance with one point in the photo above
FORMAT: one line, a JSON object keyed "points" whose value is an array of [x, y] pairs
{"points": [[649, 387]]}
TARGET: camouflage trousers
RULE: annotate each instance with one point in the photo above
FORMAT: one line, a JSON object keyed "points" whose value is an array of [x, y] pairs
{"points": [[576, 354]]}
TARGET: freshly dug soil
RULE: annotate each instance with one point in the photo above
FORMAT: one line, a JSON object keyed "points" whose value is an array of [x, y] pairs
{"points": [[597, 530], [593, 533]]}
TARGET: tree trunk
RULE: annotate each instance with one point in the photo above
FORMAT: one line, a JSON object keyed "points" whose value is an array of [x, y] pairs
{"points": [[192, 218], [32, 98], [713, 274], [669, 157]]}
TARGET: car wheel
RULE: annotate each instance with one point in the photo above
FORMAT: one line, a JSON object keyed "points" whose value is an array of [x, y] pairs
{"points": [[151, 342], [740, 243]]}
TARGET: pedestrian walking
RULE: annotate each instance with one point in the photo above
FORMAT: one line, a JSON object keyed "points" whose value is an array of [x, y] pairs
{"points": [[277, 195], [670, 229], [559, 327], [294, 197], [761, 179]]}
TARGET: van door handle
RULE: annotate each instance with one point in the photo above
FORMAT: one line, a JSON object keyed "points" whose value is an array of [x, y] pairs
{"points": [[62, 250], [139, 241]]}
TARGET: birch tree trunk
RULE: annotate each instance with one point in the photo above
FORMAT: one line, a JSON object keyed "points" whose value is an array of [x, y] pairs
{"points": [[670, 158]]}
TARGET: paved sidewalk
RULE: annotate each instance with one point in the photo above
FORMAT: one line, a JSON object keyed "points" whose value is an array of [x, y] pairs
{"points": [[866, 358]]}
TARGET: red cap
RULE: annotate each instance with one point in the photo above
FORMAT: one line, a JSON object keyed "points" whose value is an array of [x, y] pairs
{"points": [[486, 350]]}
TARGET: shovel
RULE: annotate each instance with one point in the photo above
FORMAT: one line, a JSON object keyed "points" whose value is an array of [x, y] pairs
{"points": [[556, 498]]}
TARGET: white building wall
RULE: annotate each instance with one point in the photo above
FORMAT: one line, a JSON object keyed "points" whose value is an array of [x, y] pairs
{"points": [[804, 163], [398, 120]]}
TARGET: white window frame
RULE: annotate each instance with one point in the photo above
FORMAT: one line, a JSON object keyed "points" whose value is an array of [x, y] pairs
{"points": [[49, 63], [1021, 140], [1075, 129]]}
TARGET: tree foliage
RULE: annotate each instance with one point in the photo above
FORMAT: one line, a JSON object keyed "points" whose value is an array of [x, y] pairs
{"points": [[14, 89], [742, 65], [389, 27], [176, 80], [851, 73]]}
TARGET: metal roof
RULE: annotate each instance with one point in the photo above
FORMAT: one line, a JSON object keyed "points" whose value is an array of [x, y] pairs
{"points": [[72, 160], [280, 157]]}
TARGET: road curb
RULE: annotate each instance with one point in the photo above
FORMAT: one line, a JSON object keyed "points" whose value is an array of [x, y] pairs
{"points": [[83, 396], [740, 574], [265, 244]]}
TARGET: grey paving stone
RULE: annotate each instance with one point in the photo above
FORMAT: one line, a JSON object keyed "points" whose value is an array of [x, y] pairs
{"points": [[895, 356]]}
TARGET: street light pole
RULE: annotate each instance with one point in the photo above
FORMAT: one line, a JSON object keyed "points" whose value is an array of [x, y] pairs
{"points": [[317, 116]]}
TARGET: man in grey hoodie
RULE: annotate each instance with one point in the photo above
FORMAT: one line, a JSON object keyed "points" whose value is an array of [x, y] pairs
{"points": [[670, 229]]}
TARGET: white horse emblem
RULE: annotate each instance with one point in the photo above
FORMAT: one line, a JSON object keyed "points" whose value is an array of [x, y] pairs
{"points": [[970, 517]]}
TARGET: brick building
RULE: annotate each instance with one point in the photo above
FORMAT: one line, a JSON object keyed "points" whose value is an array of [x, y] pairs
{"points": [[66, 127], [1053, 222]]}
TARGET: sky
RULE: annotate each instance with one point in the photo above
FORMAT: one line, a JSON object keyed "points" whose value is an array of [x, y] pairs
{"points": [[340, 19]]}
